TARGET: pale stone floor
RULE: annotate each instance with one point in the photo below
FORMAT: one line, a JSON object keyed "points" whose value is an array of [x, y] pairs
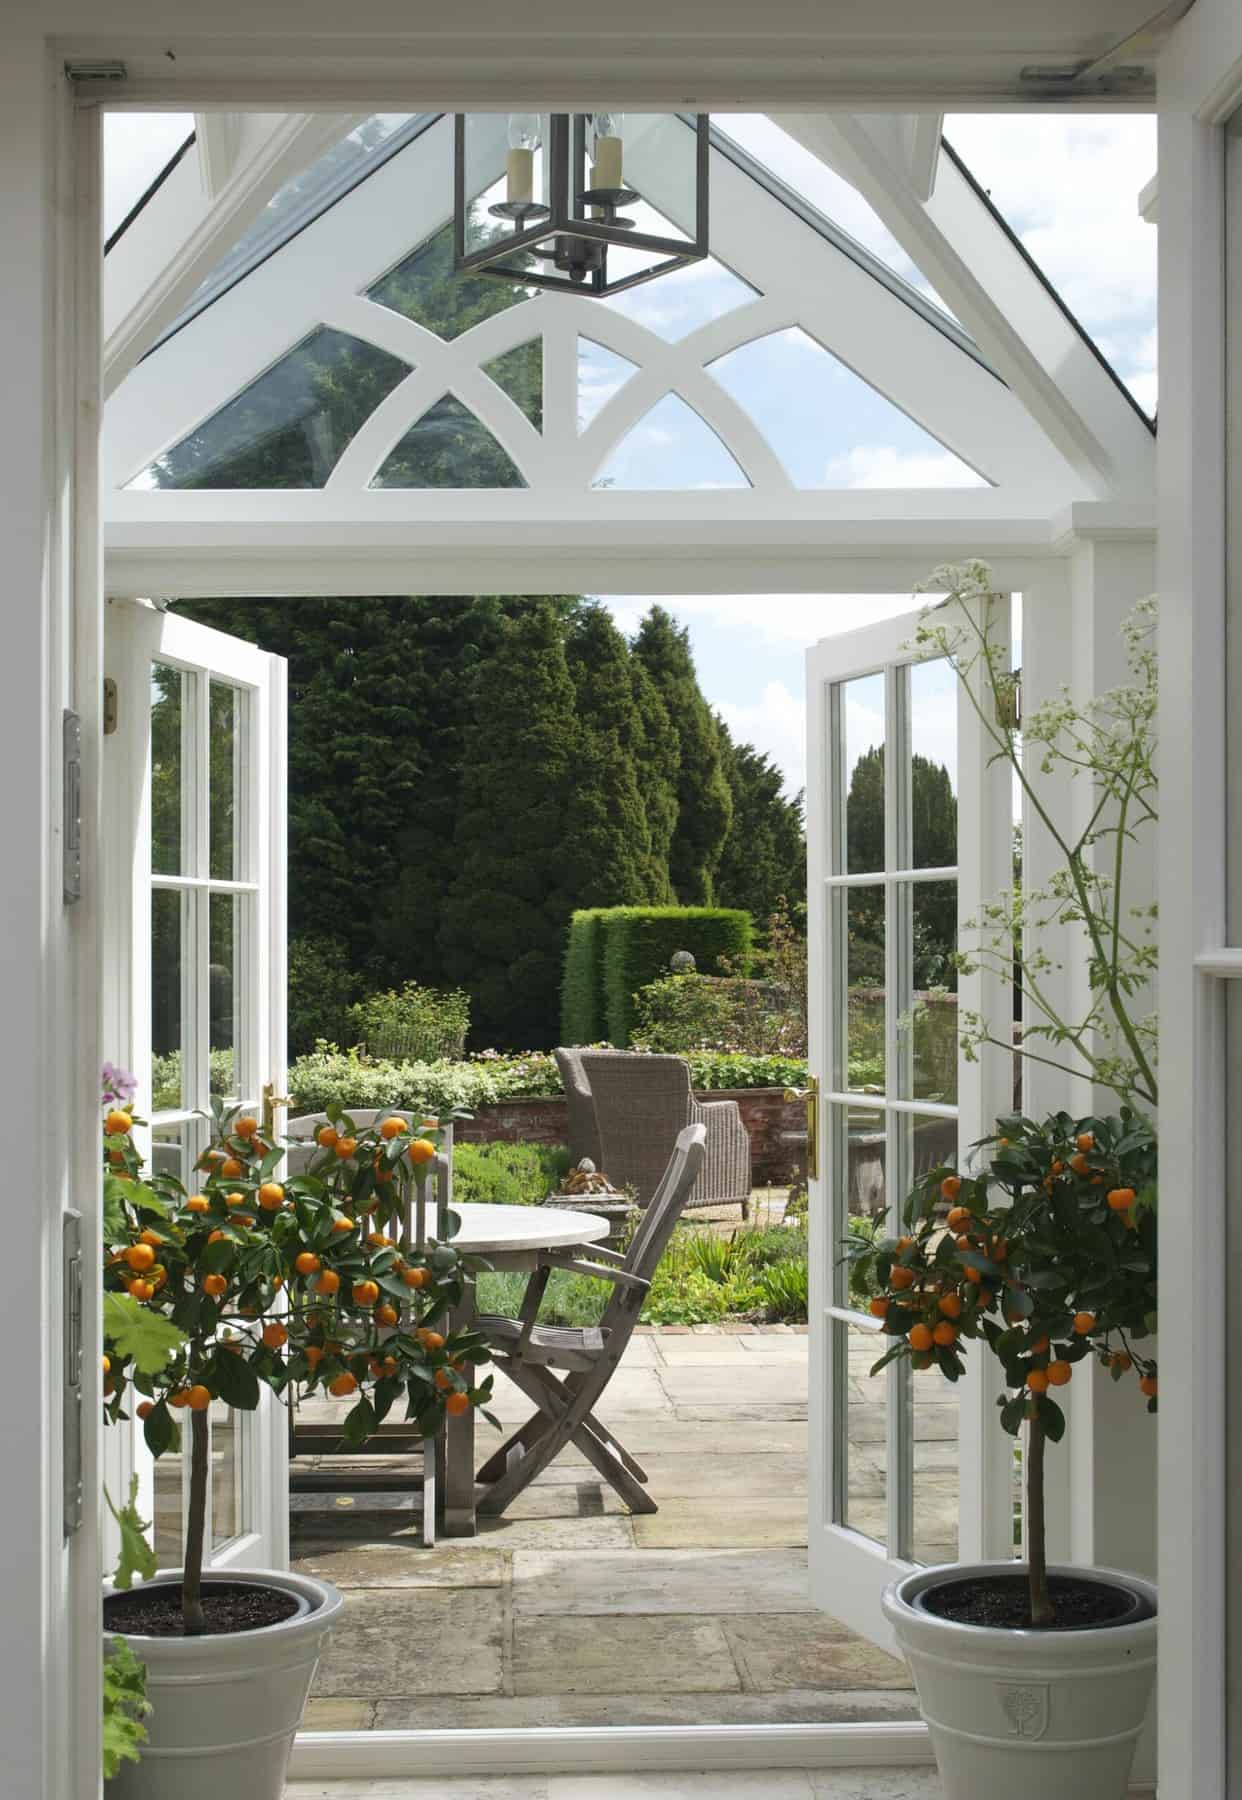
{"points": [[755, 1784], [570, 1611]]}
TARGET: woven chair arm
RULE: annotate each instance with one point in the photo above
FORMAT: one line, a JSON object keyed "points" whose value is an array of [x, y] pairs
{"points": [[726, 1168]]}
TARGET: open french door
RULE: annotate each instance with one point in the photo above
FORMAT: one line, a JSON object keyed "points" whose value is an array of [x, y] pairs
{"points": [[195, 776], [908, 831]]}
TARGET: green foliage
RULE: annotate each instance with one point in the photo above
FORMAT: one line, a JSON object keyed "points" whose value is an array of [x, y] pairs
{"points": [[725, 1069], [764, 855], [785, 1290], [138, 1334], [704, 800], [136, 1557], [639, 940], [321, 987], [508, 1174], [686, 1012], [582, 982], [166, 1078], [125, 1706], [933, 808], [411, 1024]]}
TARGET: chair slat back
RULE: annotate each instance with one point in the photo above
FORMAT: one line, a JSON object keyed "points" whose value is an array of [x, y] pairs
{"points": [[657, 1225]]}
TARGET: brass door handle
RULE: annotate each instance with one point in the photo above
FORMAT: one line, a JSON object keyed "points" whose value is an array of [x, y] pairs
{"points": [[810, 1094], [271, 1100]]}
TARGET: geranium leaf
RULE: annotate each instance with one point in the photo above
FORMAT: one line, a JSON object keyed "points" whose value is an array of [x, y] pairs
{"points": [[148, 1337]]}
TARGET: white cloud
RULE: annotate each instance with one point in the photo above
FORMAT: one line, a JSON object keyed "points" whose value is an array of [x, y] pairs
{"points": [[882, 466], [787, 620], [775, 724], [136, 148]]}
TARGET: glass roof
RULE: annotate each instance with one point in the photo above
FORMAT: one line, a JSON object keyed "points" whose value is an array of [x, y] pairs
{"points": [[672, 447], [138, 148]]}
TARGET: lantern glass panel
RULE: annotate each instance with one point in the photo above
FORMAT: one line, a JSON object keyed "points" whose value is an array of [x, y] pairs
{"points": [[506, 160]]}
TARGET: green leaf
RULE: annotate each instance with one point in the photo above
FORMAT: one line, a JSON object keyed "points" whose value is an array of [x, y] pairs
{"points": [[1013, 1411], [160, 1430], [1052, 1419], [125, 1706], [236, 1380], [137, 1332], [359, 1422], [136, 1556]]}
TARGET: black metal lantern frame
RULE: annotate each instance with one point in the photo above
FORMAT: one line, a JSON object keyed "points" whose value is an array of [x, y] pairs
{"points": [[572, 244]]}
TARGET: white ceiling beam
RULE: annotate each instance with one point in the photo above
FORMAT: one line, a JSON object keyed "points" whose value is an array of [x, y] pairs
{"points": [[1017, 323], [188, 225], [219, 136]]}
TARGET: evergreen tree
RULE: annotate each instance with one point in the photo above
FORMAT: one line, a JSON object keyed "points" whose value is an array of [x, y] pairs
{"points": [[508, 904], [764, 856], [704, 803], [933, 820], [658, 756], [607, 834]]}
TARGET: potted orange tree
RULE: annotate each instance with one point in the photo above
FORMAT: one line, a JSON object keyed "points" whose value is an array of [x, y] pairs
{"points": [[1048, 1254], [251, 1282]]}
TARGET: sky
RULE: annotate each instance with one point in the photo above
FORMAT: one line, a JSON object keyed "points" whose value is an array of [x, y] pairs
{"points": [[1068, 184]]}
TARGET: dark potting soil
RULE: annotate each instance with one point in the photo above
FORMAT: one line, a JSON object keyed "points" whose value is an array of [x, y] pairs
{"points": [[227, 1606], [1004, 1602]]}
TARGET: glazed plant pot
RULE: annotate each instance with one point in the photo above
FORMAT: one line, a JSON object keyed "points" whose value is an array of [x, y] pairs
{"points": [[225, 1707], [1024, 1713]]}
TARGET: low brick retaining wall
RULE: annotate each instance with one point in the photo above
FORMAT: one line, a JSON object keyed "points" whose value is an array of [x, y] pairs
{"points": [[766, 1114]]}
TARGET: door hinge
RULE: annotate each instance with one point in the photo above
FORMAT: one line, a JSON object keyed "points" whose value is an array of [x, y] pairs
{"points": [[71, 808], [104, 68], [71, 1274], [109, 706]]}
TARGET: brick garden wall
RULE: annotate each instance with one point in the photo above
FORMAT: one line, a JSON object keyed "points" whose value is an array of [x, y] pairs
{"points": [[765, 1113]]}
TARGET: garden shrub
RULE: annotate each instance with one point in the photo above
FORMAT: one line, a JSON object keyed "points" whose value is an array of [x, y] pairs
{"points": [[785, 1290], [508, 1174], [412, 1024], [166, 1094], [637, 942], [321, 987], [582, 984]]}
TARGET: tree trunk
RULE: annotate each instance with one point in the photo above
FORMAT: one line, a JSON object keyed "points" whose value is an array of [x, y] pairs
{"points": [[1036, 1537], [193, 1622]]}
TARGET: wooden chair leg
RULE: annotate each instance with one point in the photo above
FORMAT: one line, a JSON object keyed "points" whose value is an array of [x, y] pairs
{"points": [[521, 1440], [430, 1490], [564, 1421], [613, 1470]]}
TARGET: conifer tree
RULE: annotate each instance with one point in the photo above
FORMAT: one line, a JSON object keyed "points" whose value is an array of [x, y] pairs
{"points": [[764, 856], [508, 903], [705, 805], [607, 834], [657, 753]]}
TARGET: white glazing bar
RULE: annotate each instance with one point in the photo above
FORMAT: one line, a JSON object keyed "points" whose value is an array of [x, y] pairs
{"points": [[851, 880]]}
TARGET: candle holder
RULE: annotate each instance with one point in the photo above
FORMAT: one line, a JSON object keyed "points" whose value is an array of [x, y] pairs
{"points": [[561, 238]]}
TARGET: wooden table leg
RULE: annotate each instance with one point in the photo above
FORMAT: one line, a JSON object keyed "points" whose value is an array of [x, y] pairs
{"points": [[456, 1458]]}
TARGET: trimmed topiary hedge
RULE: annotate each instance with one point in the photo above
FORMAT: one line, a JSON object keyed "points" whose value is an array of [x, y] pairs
{"points": [[638, 941], [615, 950]]}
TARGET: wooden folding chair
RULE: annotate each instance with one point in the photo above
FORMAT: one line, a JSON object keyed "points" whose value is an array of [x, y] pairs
{"points": [[530, 1353]]}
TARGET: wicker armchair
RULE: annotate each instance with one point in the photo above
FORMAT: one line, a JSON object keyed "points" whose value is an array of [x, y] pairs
{"points": [[638, 1105]]}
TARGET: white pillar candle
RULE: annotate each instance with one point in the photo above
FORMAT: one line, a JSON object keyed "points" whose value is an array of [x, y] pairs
{"points": [[607, 170], [520, 175], [597, 212]]}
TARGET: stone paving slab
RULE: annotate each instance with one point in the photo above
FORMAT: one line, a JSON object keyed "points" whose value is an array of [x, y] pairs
{"points": [[799, 1651], [583, 1583], [627, 1656], [753, 1413], [393, 1566], [723, 1524], [449, 1641], [501, 1712], [746, 1476], [749, 1383]]}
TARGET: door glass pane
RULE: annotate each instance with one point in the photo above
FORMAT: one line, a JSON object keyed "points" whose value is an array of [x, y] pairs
{"points": [[167, 1535], [859, 1197], [225, 988], [169, 926], [168, 701], [934, 1014], [933, 773], [864, 1027], [170, 1152], [865, 1451], [223, 751], [933, 1413], [225, 1475], [862, 718]]}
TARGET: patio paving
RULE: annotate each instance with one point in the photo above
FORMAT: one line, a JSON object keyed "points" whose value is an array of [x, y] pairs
{"points": [[570, 1611]]}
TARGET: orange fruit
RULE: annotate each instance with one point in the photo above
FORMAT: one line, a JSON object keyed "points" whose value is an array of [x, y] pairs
{"points": [[118, 1123], [366, 1293], [416, 1278], [180, 1398], [345, 1148], [313, 1354], [456, 1403], [157, 1274], [899, 1277], [199, 1398], [950, 1305], [234, 1200], [919, 1337], [1037, 1381], [421, 1150], [961, 1215], [343, 1384], [385, 1315], [1121, 1199], [140, 1290], [1083, 1323], [430, 1340], [150, 1237], [877, 1307], [1078, 1164], [392, 1128], [271, 1195], [246, 1126], [145, 1408], [230, 1168], [198, 1203], [974, 1275], [904, 1243], [274, 1335], [139, 1257], [951, 1187], [1060, 1372], [328, 1283], [1039, 1347], [306, 1263], [342, 1224], [215, 1285], [1085, 1140], [1058, 1167], [1149, 1385], [963, 1242], [1121, 1359], [327, 1136], [213, 1237], [105, 1363], [944, 1333], [242, 1219], [377, 1240]]}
